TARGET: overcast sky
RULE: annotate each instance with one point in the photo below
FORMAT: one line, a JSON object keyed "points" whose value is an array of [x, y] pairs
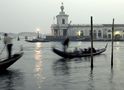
{"points": [[28, 15]]}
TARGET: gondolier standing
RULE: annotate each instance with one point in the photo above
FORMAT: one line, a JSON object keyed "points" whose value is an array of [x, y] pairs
{"points": [[65, 44], [8, 44]]}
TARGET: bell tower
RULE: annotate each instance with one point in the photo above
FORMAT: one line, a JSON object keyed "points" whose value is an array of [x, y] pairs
{"points": [[62, 22], [62, 18], [61, 26]]}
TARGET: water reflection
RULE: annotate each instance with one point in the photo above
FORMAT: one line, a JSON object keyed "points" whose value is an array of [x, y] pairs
{"points": [[61, 67], [118, 43], [38, 64], [83, 59], [91, 85], [112, 84], [61, 70], [11, 80]]}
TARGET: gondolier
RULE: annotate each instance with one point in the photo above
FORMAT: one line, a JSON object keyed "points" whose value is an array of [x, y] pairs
{"points": [[8, 43], [65, 44]]}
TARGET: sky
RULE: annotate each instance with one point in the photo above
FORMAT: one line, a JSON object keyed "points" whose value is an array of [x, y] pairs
{"points": [[28, 15]]}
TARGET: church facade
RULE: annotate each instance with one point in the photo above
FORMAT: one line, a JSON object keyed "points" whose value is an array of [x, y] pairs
{"points": [[100, 31]]}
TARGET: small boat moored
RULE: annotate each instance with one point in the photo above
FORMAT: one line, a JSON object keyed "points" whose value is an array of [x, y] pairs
{"points": [[37, 40]]}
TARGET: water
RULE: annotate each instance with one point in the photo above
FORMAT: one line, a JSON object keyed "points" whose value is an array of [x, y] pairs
{"points": [[41, 69]]}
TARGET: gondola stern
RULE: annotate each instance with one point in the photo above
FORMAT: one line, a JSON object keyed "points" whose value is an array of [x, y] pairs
{"points": [[106, 45]]}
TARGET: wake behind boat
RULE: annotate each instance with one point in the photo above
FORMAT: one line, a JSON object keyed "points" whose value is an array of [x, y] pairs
{"points": [[78, 54], [5, 62]]}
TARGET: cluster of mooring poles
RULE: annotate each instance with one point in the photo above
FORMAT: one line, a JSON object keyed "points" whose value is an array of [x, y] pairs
{"points": [[92, 44]]}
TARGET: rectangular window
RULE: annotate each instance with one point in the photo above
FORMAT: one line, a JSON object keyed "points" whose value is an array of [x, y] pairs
{"points": [[63, 21]]}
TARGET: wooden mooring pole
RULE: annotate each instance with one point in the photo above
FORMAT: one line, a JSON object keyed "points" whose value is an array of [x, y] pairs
{"points": [[112, 44], [91, 42]]}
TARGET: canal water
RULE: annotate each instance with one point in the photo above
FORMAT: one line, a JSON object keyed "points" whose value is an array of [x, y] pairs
{"points": [[41, 69]]}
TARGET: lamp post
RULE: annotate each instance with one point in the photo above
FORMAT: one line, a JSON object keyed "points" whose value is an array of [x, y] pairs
{"points": [[38, 30]]}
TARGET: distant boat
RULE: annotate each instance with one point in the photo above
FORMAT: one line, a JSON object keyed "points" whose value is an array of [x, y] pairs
{"points": [[5, 62], [77, 54], [37, 40], [26, 37], [18, 39]]}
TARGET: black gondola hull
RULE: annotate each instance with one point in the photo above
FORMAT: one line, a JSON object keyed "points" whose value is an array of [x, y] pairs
{"points": [[78, 54], [4, 64]]}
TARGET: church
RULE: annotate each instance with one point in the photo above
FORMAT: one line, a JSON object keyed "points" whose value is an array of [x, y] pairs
{"points": [[63, 28]]}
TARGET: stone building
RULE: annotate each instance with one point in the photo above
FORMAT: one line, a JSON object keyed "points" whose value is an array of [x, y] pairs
{"points": [[100, 31]]}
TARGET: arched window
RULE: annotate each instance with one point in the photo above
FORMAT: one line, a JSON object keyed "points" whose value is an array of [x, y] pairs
{"points": [[94, 31], [109, 30], [64, 32], [94, 34], [55, 32]]}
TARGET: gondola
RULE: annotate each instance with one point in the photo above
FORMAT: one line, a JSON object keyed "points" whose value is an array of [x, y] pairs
{"points": [[77, 54], [5, 62], [37, 40]]}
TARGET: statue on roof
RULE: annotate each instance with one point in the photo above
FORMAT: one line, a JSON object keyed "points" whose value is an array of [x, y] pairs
{"points": [[62, 7]]}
